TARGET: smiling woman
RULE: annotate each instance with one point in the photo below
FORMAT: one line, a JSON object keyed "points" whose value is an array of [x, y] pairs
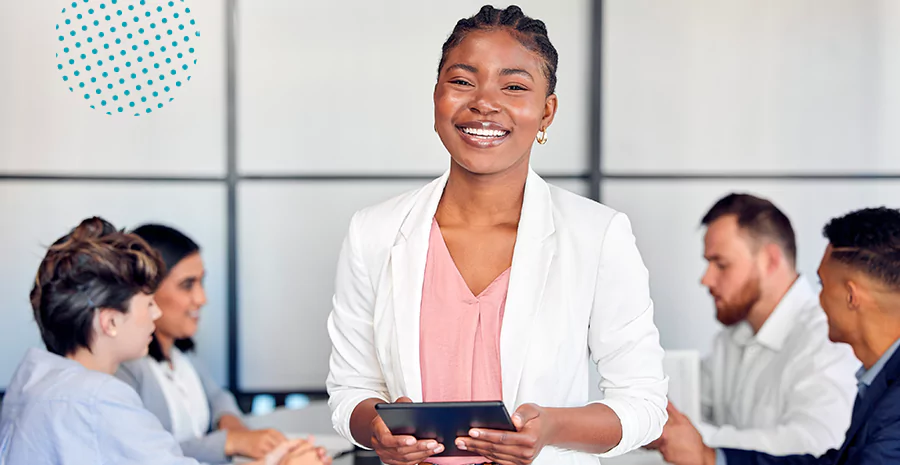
{"points": [[203, 417], [496, 84], [490, 284]]}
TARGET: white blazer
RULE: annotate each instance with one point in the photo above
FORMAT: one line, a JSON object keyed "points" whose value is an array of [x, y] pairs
{"points": [[578, 296]]}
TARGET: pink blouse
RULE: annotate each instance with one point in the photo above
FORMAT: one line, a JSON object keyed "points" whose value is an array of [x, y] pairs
{"points": [[459, 335]]}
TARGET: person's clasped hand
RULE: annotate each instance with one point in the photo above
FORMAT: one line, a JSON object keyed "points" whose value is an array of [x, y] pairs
{"points": [[681, 443], [253, 444], [297, 452]]}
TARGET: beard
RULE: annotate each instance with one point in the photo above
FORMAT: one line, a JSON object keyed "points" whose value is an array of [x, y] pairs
{"points": [[735, 310]]}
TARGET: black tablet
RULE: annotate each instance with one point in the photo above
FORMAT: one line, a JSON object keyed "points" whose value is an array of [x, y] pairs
{"points": [[444, 421]]}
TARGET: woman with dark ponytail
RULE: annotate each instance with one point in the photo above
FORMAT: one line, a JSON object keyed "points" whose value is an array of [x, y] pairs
{"points": [[172, 384], [490, 284], [93, 303]]}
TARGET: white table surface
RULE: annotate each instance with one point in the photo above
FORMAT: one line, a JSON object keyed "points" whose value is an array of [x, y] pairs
{"points": [[315, 419]]}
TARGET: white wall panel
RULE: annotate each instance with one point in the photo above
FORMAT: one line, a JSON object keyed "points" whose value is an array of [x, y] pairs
{"points": [[666, 217], [329, 87], [36, 213]]}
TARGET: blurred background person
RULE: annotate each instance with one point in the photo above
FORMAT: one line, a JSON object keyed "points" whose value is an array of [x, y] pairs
{"points": [[203, 417], [93, 302], [773, 382]]}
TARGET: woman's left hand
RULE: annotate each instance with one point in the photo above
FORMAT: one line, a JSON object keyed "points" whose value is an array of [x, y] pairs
{"points": [[521, 447]]}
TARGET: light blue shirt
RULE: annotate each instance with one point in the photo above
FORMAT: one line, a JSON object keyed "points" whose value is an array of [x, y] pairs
{"points": [[56, 412], [865, 377]]}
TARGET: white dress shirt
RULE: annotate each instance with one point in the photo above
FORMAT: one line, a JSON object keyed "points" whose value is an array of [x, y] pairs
{"points": [[185, 396], [785, 390], [578, 299]]}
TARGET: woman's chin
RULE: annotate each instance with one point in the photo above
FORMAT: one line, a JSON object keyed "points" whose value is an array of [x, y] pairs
{"points": [[486, 162], [189, 327]]}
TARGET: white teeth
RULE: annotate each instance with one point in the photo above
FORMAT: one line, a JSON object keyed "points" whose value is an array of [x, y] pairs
{"points": [[484, 132]]}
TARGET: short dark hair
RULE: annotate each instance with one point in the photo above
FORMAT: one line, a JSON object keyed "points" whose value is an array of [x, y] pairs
{"points": [[174, 246], [869, 241], [94, 266], [530, 32], [759, 217]]}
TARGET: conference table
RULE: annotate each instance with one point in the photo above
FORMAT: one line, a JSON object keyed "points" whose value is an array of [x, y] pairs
{"points": [[315, 419]]}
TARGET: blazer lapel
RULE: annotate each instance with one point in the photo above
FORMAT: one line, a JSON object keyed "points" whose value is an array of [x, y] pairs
{"points": [[408, 258], [532, 255], [153, 397]]}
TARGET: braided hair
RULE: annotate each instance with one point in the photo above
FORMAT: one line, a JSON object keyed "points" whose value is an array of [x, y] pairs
{"points": [[530, 32]]}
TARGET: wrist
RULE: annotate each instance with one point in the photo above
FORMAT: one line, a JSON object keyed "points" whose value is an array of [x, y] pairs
{"points": [[709, 456], [231, 422], [552, 428], [362, 421], [230, 443]]}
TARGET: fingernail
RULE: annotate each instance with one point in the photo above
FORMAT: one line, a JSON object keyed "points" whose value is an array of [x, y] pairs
{"points": [[439, 449], [516, 416], [431, 444], [474, 433], [410, 441], [460, 445]]}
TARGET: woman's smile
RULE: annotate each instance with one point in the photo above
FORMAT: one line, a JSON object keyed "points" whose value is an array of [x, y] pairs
{"points": [[483, 134]]}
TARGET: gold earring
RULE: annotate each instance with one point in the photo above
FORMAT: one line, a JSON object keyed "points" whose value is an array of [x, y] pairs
{"points": [[542, 137]]}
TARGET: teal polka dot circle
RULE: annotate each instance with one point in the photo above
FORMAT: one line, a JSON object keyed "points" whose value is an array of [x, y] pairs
{"points": [[161, 35]]}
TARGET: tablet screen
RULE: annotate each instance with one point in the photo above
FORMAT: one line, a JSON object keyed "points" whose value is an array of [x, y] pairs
{"points": [[444, 421]]}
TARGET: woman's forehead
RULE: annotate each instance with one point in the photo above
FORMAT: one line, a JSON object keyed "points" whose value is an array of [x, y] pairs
{"points": [[495, 49]]}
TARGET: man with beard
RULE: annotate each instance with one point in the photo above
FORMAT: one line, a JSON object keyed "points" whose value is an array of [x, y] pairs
{"points": [[860, 275], [773, 382]]}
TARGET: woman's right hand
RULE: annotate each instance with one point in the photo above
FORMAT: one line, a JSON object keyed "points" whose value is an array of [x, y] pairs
{"points": [[296, 452], [401, 450]]}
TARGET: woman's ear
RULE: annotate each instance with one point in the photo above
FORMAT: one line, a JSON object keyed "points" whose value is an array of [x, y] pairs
{"points": [[550, 106], [107, 322]]}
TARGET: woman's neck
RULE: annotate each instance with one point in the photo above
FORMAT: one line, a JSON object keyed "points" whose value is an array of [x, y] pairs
{"points": [[94, 360], [165, 344], [483, 200]]}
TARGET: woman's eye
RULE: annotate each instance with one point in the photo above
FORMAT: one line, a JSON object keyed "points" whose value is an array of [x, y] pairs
{"points": [[516, 88], [460, 82]]}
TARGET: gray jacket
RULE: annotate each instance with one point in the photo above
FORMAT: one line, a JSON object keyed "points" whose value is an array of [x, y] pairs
{"points": [[208, 449]]}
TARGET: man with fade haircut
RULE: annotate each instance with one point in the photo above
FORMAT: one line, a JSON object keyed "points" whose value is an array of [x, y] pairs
{"points": [[773, 382], [860, 274]]}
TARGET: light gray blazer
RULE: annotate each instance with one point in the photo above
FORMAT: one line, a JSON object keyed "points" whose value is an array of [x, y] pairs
{"points": [[207, 449]]}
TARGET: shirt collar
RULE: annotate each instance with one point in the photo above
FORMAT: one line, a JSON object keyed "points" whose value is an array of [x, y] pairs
{"points": [[779, 324], [866, 377]]}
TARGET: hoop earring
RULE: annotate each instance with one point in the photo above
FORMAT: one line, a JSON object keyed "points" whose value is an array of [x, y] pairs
{"points": [[542, 137]]}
